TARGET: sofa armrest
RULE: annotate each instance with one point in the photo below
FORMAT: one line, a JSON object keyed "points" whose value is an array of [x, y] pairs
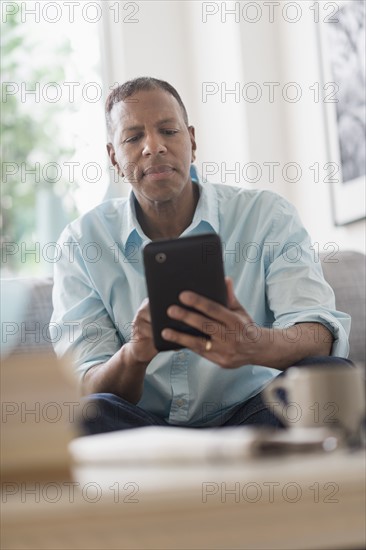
{"points": [[345, 272], [33, 334]]}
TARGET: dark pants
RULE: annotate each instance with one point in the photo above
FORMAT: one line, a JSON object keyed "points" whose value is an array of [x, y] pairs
{"points": [[106, 412]]}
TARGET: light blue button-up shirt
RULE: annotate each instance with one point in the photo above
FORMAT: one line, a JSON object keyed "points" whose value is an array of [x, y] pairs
{"points": [[100, 284]]}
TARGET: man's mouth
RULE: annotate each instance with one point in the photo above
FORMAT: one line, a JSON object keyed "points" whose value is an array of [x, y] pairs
{"points": [[158, 171]]}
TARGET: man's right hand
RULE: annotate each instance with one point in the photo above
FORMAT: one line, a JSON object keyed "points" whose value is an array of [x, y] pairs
{"points": [[141, 348], [123, 374]]}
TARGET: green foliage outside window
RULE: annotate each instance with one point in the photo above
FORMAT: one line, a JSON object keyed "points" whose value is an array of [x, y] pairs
{"points": [[30, 137]]}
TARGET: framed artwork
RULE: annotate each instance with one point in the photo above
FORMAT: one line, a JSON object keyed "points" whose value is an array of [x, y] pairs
{"points": [[342, 51]]}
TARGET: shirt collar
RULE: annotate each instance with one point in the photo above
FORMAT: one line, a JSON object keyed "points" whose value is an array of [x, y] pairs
{"points": [[131, 229], [206, 216]]}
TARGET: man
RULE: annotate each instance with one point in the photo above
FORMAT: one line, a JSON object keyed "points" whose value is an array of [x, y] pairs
{"points": [[280, 310]]}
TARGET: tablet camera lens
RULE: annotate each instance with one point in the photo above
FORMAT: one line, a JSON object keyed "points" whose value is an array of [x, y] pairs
{"points": [[160, 258]]}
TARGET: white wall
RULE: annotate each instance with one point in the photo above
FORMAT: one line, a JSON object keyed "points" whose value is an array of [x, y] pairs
{"points": [[181, 42], [304, 135]]}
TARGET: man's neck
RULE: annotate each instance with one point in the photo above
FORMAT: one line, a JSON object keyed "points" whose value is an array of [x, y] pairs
{"points": [[168, 220]]}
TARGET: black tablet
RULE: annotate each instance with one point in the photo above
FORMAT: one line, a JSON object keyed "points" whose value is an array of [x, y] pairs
{"points": [[171, 266]]}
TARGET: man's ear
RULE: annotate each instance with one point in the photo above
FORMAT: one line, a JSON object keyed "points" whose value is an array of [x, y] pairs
{"points": [[191, 131], [112, 156]]}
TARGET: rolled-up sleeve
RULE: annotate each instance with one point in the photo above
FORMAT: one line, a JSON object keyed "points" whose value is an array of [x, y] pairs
{"points": [[296, 289], [80, 324]]}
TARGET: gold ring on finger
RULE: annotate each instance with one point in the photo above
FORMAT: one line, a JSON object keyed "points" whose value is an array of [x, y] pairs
{"points": [[208, 346]]}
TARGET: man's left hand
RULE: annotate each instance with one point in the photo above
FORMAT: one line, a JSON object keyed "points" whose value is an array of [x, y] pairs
{"points": [[234, 337]]}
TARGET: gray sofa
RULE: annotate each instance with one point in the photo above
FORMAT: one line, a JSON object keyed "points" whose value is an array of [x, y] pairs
{"points": [[345, 273]]}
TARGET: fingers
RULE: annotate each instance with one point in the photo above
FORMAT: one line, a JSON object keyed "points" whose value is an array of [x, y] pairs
{"points": [[208, 317], [194, 319], [144, 311], [195, 343], [212, 309], [141, 340], [213, 349], [142, 322], [232, 301], [198, 344], [224, 328], [207, 307]]}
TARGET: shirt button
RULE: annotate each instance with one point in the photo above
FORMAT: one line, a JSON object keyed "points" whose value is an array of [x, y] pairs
{"points": [[180, 402], [181, 355]]}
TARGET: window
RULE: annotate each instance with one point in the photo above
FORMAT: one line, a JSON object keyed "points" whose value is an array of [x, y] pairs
{"points": [[54, 161]]}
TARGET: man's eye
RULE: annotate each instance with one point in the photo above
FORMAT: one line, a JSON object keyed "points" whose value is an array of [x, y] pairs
{"points": [[169, 132], [132, 139]]}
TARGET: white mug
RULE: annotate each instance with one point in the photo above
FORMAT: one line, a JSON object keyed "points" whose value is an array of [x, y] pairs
{"points": [[319, 396]]}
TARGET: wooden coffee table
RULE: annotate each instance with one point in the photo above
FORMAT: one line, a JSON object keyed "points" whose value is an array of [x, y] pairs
{"points": [[292, 502]]}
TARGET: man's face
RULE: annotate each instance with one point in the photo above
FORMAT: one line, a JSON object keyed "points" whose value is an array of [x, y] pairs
{"points": [[152, 146]]}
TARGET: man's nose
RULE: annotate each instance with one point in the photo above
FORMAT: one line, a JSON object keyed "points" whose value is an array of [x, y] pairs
{"points": [[153, 145]]}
